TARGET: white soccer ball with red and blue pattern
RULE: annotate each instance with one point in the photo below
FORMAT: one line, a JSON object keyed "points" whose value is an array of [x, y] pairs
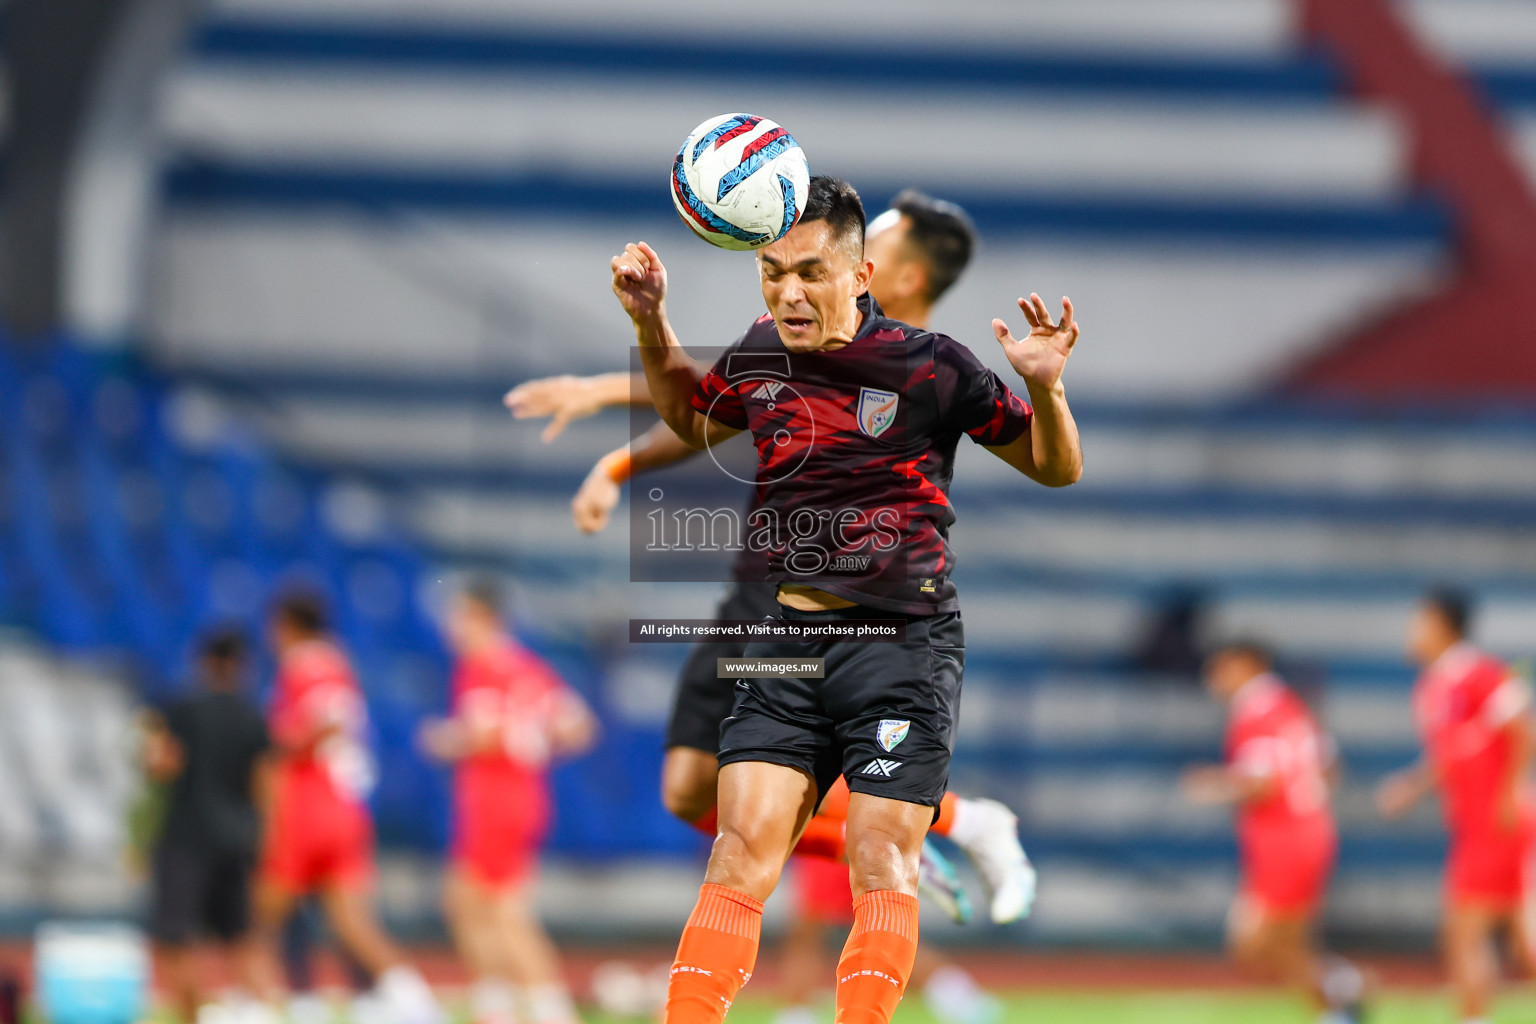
{"points": [[740, 181]]}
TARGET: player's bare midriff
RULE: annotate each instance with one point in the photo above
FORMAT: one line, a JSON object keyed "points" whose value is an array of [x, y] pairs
{"points": [[810, 599]]}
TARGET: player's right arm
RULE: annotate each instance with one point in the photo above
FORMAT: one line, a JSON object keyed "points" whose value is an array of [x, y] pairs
{"points": [[640, 282], [1399, 791], [1218, 784], [567, 398]]}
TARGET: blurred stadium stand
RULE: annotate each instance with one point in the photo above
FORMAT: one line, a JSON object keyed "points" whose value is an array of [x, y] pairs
{"points": [[378, 214]]}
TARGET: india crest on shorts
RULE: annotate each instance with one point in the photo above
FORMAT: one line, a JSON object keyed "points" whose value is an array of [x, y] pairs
{"points": [[877, 410], [891, 732]]}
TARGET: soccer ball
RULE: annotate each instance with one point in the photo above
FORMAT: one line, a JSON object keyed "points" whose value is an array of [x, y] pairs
{"points": [[740, 181]]}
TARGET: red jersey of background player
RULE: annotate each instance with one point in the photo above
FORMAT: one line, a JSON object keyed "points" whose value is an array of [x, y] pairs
{"points": [[501, 794], [1462, 703], [1287, 836], [317, 691], [321, 832]]}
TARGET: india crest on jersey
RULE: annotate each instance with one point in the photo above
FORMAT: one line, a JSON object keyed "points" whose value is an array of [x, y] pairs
{"points": [[891, 732], [877, 410]]}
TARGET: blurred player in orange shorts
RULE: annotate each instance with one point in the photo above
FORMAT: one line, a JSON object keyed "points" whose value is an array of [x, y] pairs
{"points": [[1473, 716], [1276, 773], [511, 715], [318, 831]]}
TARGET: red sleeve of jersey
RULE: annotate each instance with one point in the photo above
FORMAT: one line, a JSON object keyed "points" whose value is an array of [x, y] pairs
{"points": [[1496, 694], [718, 399], [537, 676], [974, 399]]}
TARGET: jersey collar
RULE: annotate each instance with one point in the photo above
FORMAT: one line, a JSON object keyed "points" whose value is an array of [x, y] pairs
{"points": [[1452, 659], [1257, 695]]}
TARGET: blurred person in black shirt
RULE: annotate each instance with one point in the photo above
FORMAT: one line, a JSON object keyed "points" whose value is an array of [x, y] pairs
{"points": [[208, 747]]}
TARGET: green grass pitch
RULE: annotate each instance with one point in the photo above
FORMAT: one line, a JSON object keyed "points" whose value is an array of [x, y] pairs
{"points": [[1210, 1007]]}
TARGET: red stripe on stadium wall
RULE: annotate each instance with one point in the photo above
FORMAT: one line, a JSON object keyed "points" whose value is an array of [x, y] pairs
{"points": [[1476, 337]]}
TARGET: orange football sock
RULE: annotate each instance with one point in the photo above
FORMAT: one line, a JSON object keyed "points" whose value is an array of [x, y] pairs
{"points": [[708, 822], [946, 818], [877, 961], [823, 837], [715, 956]]}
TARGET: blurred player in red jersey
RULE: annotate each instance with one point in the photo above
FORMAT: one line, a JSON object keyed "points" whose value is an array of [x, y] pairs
{"points": [[1276, 773], [319, 834], [511, 715], [1473, 715]]}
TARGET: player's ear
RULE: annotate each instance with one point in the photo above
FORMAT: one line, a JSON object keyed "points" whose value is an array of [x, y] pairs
{"points": [[865, 273]]}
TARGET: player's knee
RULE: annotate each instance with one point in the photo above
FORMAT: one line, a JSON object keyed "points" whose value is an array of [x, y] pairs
{"points": [[688, 786], [685, 799], [745, 860], [877, 860]]}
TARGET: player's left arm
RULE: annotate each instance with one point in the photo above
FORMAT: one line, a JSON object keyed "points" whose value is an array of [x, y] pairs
{"points": [[1050, 451], [573, 728], [1508, 708]]}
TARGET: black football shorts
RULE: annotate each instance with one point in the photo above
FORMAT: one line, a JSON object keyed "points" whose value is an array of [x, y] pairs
{"points": [[200, 892], [703, 701], [883, 716]]}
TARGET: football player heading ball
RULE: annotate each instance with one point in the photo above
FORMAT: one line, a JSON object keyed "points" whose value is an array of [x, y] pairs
{"points": [[789, 739]]}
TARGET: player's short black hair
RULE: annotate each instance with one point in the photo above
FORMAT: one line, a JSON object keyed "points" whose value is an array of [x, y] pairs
{"points": [[836, 202], [485, 592], [304, 610], [1453, 605], [1250, 647], [224, 644], [942, 233], [222, 655]]}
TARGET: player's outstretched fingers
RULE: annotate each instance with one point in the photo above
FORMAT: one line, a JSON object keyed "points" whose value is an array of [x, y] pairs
{"points": [[1041, 312], [556, 424], [1029, 313], [1004, 336], [1066, 312]]}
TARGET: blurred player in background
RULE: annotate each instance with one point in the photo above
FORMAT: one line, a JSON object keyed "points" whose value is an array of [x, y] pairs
{"points": [[210, 748], [1473, 715], [319, 834], [919, 247], [1276, 775], [511, 715]]}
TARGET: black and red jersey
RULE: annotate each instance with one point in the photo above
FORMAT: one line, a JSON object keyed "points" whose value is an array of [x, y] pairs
{"points": [[856, 448]]}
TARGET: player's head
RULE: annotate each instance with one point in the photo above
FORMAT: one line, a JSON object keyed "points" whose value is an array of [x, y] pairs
{"points": [[1443, 618], [222, 657], [298, 617], [813, 276], [474, 616], [919, 247], [1235, 662]]}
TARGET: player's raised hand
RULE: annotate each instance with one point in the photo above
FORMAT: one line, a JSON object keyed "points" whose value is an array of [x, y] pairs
{"points": [[640, 281], [1041, 355], [562, 399], [595, 500]]}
